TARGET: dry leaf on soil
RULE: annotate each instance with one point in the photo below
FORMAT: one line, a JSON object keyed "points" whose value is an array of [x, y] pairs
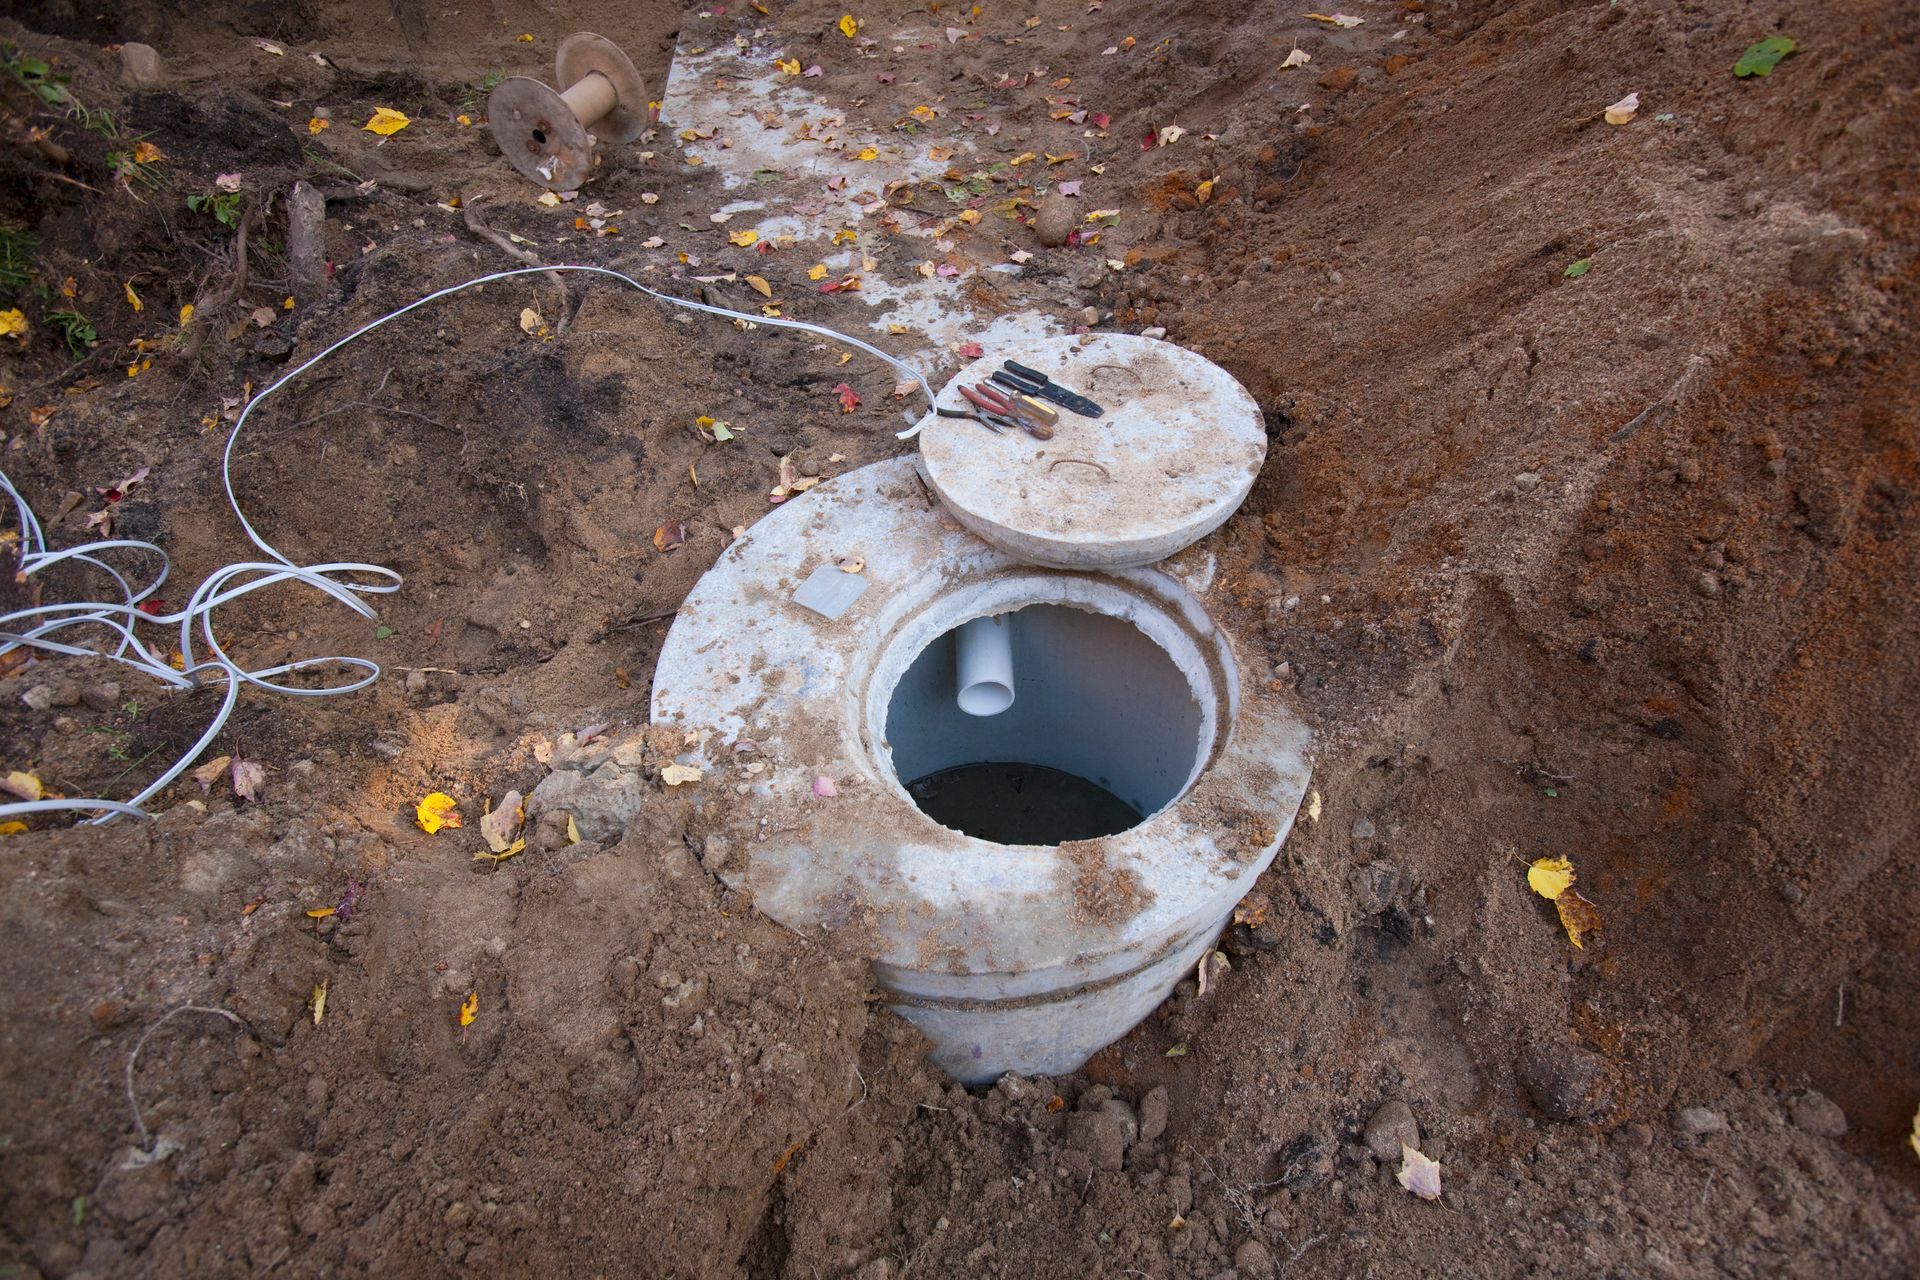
{"points": [[22, 784], [675, 775], [247, 777], [1419, 1174], [435, 811], [469, 1008], [499, 826], [386, 122]]}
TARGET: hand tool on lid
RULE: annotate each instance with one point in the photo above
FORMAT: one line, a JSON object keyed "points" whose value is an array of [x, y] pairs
{"points": [[971, 415], [998, 402], [1047, 389]]}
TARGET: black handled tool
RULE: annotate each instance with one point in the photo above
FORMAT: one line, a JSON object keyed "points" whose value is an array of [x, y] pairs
{"points": [[1047, 389]]}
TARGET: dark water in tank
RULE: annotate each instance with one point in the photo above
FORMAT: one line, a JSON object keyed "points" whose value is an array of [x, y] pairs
{"points": [[1021, 804]]}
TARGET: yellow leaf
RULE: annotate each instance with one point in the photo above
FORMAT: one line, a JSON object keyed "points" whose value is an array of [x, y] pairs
{"points": [[13, 324], [842, 236], [1204, 192], [923, 112], [288, 304], [1914, 1138], [518, 846], [24, 785], [1054, 159], [133, 299], [526, 38], [320, 913], [1578, 916], [436, 811], [147, 153], [675, 775], [573, 830], [848, 27], [1021, 159], [469, 1008], [1550, 877], [12, 828], [760, 286], [386, 122], [316, 125], [742, 238], [186, 314], [817, 272], [464, 119], [319, 1003], [868, 153], [1624, 110], [789, 65]]}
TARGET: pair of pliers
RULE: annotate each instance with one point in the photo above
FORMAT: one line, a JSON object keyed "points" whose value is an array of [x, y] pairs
{"points": [[989, 400], [991, 422]]}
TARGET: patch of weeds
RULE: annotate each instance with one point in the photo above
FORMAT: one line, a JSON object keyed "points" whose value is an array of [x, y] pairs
{"points": [[17, 245], [37, 75], [75, 328], [223, 205], [471, 99]]}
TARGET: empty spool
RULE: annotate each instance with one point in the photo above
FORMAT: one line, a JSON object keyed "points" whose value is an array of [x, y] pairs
{"points": [[548, 134]]}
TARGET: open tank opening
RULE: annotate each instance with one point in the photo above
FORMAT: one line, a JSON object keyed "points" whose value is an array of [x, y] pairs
{"points": [[1102, 732]]}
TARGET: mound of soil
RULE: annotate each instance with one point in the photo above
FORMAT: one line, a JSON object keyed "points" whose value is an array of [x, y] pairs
{"points": [[1586, 530]]}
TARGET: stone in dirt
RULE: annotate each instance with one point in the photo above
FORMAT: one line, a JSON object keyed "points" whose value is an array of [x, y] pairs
{"points": [[141, 67], [1698, 1122], [1153, 1113], [1564, 1081], [1254, 1261], [1055, 220], [1818, 1114], [1391, 1125]]}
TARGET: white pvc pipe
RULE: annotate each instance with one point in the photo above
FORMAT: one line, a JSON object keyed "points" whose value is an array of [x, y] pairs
{"points": [[983, 665]]}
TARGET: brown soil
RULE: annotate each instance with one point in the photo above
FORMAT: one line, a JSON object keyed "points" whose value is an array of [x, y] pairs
{"points": [[1618, 567]]}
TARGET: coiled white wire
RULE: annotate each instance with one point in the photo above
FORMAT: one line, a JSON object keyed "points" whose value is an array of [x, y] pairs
{"points": [[346, 582]]}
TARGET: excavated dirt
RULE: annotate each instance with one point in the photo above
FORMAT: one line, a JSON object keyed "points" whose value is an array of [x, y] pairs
{"points": [[1616, 565]]}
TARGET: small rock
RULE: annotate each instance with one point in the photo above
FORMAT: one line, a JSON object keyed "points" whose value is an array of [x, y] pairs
{"points": [[1391, 1125], [1818, 1114], [141, 67], [1707, 585], [39, 698], [1089, 316], [103, 696], [1101, 1135], [1122, 1111], [1698, 1122], [1156, 331], [416, 682], [1054, 221], [1527, 481], [1363, 829], [1253, 1261], [1153, 1113]]}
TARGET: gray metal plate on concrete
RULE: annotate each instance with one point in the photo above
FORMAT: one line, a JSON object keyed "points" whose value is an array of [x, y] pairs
{"points": [[1175, 454]]}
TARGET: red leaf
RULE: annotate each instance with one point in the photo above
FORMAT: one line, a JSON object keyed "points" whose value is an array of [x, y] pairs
{"points": [[968, 351], [849, 399], [1101, 119], [1149, 140], [152, 608]]}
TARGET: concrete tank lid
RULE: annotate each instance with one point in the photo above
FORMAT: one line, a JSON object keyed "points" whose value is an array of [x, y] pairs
{"points": [[1174, 455]]}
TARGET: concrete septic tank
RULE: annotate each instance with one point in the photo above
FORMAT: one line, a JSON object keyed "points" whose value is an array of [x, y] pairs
{"points": [[1030, 870]]}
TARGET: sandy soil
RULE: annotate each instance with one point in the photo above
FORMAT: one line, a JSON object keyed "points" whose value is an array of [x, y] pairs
{"points": [[1617, 566]]}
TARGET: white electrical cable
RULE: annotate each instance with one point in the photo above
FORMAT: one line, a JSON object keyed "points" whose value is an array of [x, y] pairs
{"points": [[345, 582]]}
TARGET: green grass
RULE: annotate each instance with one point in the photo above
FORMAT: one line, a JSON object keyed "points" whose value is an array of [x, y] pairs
{"points": [[223, 205], [75, 328], [17, 245]]}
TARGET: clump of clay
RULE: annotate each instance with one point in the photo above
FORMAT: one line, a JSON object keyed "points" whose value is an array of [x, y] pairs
{"points": [[1055, 220]]}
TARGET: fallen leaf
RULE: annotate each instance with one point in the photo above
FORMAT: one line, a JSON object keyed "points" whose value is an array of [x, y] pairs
{"points": [[789, 65], [868, 153], [24, 785], [147, 153], [1913, 1139], [532, 324], [321, 913], [247, 777], [742, 238], [849, 398], [824, 788], [268, 46], [437, 810], [1623, 110], [1762, 58], [499, 826], [469, 1008], [573, 830], [675, 775], [1336, 19], [1550, 877], [133, 299], [973, 350], [1313, 806], [1056, 1103], [1178, 1051], [1419, 1174], [812, 71], [760, 286], [386, 122], [526, 37], [13, 828], [13, 324], [1204, 192], [186, 314], [1170, 134], [669, 535], [228, 182], [1578, 917], [1578, 269], [319, 1003], [518, 846], [1298, 58], [209, 773], [848, 26]]}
